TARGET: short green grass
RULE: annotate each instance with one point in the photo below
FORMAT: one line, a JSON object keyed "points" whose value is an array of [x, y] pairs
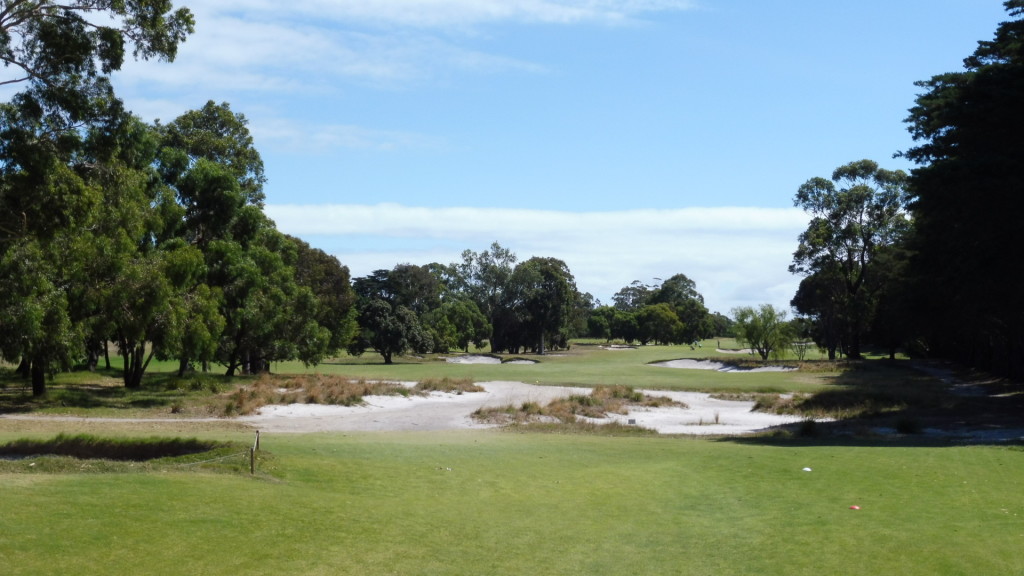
{"points": [[514, 501], [588, 364], [503, 503]]}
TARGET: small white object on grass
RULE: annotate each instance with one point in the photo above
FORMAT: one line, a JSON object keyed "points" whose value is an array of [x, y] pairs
{"points": [[807, 469]]}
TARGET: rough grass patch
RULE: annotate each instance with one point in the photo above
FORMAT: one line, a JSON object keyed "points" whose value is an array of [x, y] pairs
{"points": [[86, 446], [305, 389], [602, 401], [453, 385]]}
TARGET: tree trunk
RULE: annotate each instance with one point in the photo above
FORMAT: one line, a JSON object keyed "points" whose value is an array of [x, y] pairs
{"points": [[24, 368], [38, 377], [93, 355], [182, 367]]}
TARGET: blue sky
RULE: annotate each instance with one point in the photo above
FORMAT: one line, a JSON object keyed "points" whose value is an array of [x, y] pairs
{"points": [[634, 139]]}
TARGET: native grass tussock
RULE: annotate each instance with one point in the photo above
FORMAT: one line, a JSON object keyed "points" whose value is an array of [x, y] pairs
{"points": [[601, 402], [328, 389]]}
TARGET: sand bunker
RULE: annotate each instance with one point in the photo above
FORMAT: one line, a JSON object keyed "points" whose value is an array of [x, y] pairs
{"points": [[689, 364], [483, 359], [448, 411], [472, 359]]}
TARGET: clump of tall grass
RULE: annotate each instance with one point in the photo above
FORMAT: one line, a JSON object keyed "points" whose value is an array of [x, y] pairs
{"points": [[602, 401], [454, 385], [586, 427], [328, 389], [87, 446], [305, 389]]}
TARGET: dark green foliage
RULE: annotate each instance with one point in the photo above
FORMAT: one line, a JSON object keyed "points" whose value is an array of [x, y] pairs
{"points": [[672, 312], [856, 214], [328, 279], [390, 331], [968, 204], [55, 135]]}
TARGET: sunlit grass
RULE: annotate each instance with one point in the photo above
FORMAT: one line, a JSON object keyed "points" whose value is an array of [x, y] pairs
{"points": [[500, 503]]}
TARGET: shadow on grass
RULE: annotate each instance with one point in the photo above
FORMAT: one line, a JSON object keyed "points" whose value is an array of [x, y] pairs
{"points": [[80, 391], [905, 403]]}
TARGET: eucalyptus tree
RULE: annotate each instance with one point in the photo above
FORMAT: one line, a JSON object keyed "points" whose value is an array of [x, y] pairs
{"points": [[856, 213], [483, 278], [680, 293], [544, 291], [56, 136], [633, 297], [214, 176]]}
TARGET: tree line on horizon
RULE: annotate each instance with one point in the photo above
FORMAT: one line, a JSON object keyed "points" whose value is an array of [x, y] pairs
{"points": [[153, 236]]}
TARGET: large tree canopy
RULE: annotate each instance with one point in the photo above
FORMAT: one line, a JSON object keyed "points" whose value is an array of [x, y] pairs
{"points": [[856, 213], [68, 150], [968, 204]]}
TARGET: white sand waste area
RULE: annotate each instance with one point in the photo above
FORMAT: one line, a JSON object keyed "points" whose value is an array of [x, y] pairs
{"points": [[720, 367], [447, 411]]}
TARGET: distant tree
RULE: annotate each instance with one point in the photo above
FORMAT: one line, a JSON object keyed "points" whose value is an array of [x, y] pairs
{"points": [[633, 297], [545, 291], [329, 281], [464, 325], [721, 325], [680, 293], [861, 210], [415, 287], [659, 323], [968, 207], [599, 323], [625, 326], [763, 329], [483, 278], [390, 331]]}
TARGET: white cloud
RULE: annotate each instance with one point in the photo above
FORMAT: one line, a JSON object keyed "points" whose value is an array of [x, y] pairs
{"points": [[263, 53], [452, 13], [737, 256]]}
